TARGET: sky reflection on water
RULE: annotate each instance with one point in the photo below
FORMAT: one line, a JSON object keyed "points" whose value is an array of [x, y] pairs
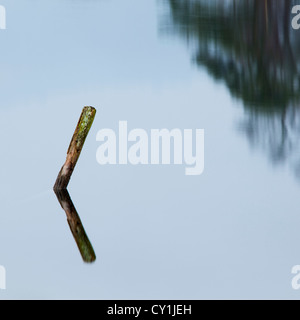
{"points": [[231, 232]]}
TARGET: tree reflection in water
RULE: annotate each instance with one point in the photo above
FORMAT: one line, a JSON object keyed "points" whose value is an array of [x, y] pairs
{"points": [[251, 47]]}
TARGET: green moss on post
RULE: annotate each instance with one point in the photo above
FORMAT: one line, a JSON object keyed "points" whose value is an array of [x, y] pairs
{"points": [[83, 127]]}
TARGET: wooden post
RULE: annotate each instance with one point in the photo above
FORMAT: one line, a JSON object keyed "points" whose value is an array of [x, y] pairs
{"points": [[85, 247], [83, 127]]}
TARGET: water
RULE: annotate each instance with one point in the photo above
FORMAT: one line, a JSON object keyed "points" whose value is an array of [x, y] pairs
{"points": [[232, 232]]}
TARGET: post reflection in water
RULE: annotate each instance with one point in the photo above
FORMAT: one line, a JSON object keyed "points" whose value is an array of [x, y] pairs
{"points": [[82, 240], [251, 47]]}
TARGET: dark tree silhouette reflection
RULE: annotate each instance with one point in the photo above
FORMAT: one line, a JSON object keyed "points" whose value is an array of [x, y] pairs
{"points": [[251, 47]]}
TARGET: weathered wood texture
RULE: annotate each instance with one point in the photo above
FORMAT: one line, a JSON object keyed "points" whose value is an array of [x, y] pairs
{"points": [[83, 127]]}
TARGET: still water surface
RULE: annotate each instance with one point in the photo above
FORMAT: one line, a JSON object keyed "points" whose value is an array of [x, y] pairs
{"points": [[231, 68]]}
